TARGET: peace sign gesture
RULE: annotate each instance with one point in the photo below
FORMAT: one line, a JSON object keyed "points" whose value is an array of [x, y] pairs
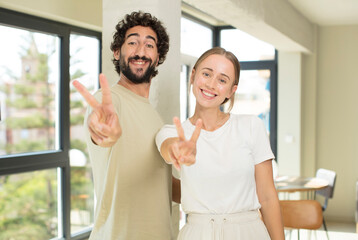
{"points": [[183, 151], [103, 123]]}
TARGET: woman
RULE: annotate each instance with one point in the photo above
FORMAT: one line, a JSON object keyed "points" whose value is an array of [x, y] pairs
{"points": [[226, 173]]}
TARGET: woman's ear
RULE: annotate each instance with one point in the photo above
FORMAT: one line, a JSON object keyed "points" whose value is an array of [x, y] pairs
{"points": [[117, 54], [233, 90], [192, 76]]}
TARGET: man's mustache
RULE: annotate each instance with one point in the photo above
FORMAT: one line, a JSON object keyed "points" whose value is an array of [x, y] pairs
{"points": [[139, 58]]}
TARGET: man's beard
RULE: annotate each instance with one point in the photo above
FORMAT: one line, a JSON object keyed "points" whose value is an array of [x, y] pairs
{"points": [[130, 75]]}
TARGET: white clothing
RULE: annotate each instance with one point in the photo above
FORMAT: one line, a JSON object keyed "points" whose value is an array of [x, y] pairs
{"points": [[238, 226], [222, 181]]}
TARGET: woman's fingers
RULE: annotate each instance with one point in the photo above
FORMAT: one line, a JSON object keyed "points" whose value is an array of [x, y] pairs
{"points": [[179, 128], [196, 133]]}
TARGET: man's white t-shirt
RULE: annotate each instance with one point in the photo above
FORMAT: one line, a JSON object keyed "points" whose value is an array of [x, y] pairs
{"points": [[222, 180]]}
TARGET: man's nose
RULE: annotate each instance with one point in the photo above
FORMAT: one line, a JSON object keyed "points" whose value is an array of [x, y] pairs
{"points": [[140, 50]]}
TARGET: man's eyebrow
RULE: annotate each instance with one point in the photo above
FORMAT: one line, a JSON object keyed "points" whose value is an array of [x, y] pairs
{"points": [[137, 35]]}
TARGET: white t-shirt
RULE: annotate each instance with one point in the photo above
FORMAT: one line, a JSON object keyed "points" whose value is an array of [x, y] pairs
{"points": [[223, 178]]}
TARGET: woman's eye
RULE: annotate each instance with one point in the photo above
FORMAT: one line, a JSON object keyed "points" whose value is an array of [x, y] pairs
{"points": [[206, 74], [131, 43], [222, 81]]}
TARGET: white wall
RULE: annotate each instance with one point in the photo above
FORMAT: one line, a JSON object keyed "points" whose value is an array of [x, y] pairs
{"points": [[164, 91], [80, 13], [337, 114], [289, 114]]}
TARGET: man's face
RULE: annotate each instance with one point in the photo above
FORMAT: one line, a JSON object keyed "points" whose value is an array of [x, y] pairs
{"points": [[138, 56]]}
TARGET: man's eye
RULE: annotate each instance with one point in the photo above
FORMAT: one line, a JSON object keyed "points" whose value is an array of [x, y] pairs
{"points": [[131, 43], [150, 46]]}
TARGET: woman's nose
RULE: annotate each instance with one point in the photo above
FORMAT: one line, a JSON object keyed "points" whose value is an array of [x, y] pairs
{"points": [[210, 83]]}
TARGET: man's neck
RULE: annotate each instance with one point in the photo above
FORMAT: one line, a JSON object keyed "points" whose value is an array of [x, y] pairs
{"points": [[141, 89]]}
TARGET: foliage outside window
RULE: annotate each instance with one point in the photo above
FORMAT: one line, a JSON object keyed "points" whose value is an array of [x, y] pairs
{"points": [[37, 154]]}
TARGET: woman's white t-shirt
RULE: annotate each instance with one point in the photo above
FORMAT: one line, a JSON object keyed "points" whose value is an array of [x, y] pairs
{"points": [[222, 180]]}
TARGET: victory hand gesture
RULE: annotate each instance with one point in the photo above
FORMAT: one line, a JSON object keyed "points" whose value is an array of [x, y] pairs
{"points": [[183, 151], [103, 122]]}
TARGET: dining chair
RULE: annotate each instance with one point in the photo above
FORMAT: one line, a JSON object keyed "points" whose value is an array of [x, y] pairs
{"points": [[356, 207], [326, 192], [301, 214]]}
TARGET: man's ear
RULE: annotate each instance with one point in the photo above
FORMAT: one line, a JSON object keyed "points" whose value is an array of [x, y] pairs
{"points": [[117, 54]]}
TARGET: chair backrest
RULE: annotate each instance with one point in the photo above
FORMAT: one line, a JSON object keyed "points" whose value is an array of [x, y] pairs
{"points": [[301, 214], [357, 205], [330, 176]]}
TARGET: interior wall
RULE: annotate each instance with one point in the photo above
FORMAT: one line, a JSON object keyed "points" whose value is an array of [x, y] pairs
{"points": [[80, 13], [337, 115]]}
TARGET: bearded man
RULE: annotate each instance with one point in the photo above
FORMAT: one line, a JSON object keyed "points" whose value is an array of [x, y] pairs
{"points": [[132, 183]]}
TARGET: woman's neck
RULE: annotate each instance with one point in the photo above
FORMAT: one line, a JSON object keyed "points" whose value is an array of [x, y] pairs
{"points": [[212, 118]]}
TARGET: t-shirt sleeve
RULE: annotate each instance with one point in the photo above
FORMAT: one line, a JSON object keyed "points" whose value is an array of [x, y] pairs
{"points": [[167, 131], [261, 148]]}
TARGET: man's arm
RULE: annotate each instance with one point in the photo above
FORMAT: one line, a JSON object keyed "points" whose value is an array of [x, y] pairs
{"points": [[103, 123], [176, 191]]}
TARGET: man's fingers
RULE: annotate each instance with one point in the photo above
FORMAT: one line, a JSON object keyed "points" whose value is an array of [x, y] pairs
{"points": [[106, 92], [179, 128], [196, 133], [85, 94]]}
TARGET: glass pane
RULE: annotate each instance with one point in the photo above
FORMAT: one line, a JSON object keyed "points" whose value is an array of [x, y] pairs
{"points": [[253, 95], [29, 77], [245, 46], [195, 38], [28, 205], [184, 92], [84, 66]]}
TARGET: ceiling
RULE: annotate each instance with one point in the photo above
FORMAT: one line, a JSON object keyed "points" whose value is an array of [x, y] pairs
{"points": [[320, 12], [328, 12]]}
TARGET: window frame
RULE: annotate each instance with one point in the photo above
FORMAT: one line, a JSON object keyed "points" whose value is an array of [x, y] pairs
{"points": [[26, 162]]}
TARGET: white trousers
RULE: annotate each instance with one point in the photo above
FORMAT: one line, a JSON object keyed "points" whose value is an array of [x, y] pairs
{"points": [[238, 226]]}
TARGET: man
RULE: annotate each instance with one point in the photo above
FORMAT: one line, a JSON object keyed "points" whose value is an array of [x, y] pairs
{"points": [[132, 182]]}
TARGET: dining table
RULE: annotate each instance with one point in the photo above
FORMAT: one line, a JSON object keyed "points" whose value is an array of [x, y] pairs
{"points": [[291, 184]]}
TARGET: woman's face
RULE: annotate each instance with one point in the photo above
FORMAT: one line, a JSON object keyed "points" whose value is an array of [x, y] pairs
{"points": [[213, 81]]}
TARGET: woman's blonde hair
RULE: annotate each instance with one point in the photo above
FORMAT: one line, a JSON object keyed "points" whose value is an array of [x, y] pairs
{"points": [[232, 58]]}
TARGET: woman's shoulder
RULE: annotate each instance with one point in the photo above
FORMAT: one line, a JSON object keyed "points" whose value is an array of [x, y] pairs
{"points": [[245, 118]]}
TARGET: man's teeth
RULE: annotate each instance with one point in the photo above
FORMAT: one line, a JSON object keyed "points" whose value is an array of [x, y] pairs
{"points": [[140, 63], [208, 94]]}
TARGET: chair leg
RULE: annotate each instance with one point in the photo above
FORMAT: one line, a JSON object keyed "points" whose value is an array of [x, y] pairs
{"points": [[298, 234], [325, 228]]}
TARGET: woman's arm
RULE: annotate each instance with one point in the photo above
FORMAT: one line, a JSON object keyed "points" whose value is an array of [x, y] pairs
{"points": [[270, 206], [179, 150], [166, 150]]}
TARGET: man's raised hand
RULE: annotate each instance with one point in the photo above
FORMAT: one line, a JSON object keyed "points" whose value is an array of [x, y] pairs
{"points": [[103, 123], [183, 151]]}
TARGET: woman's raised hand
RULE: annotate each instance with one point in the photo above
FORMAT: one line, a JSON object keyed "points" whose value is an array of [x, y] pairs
{"points": [[183, 151], [103, 122]]}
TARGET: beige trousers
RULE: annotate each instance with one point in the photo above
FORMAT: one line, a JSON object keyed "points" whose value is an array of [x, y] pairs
{"points": [[238, 226]]}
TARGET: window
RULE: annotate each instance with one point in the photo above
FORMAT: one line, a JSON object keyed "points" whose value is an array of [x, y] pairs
{"points": [[257, 90], [46, 187], [196, 38]]}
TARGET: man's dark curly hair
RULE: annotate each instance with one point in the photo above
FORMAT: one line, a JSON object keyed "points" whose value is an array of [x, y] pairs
{"points": [[145, 20]]}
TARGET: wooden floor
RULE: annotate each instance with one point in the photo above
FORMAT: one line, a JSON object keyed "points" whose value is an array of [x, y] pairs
{"points": [[336, 231]]}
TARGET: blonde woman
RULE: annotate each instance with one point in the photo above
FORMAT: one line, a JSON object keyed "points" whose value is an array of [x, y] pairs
{"points": [[224, 160]]}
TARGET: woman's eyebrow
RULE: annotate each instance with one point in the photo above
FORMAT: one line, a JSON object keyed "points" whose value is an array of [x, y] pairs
{"points": [[211, 70]]}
